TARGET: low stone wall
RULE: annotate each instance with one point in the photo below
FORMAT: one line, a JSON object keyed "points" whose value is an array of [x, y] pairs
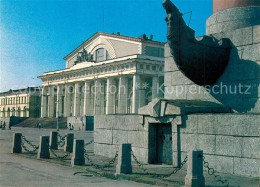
{"points": [[10, 121], [85, 123], [230, 142], [112, 130]]}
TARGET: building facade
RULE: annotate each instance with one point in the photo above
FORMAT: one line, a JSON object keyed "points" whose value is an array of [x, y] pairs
{"points": [[106, 74], [20, 103]]}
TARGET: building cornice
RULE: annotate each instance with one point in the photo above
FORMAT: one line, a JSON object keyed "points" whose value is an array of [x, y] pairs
{"points": [[97, 34]]}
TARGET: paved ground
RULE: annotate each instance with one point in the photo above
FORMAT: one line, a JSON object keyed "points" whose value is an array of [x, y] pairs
{"points": [[21, 171], [25, 170]]}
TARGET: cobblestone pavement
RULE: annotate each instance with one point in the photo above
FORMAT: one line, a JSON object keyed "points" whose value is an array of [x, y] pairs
{"points": [[87, 170]]}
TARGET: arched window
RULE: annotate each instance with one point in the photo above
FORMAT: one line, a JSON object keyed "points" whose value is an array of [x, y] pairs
{"points": [[101, 55]]}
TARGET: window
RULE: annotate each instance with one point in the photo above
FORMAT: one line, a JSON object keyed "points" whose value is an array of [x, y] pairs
{"points": [[141, 66], [147, 67], [100, 55], [154, 68]]}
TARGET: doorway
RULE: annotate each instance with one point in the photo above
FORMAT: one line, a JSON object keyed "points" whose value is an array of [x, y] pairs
{"points": [[160, 141]]}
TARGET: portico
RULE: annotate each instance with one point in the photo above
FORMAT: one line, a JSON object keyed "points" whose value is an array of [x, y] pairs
{"points": [[112, 85]]}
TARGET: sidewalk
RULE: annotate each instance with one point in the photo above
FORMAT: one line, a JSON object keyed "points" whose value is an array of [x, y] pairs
{"points": [[139, 175]]}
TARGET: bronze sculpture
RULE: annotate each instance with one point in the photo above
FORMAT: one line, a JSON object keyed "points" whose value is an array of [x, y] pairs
{"points": [[202, 61]]}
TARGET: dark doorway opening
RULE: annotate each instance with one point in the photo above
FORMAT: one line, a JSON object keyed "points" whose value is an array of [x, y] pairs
{"points": [[160, 143]]}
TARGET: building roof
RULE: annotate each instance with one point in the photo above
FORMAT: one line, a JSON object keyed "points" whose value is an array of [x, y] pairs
{"points": [[21, 91], [142, 38]]}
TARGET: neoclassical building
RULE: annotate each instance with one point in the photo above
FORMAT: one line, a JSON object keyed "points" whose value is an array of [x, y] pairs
{"points": [[20, 103], [106, 74]]}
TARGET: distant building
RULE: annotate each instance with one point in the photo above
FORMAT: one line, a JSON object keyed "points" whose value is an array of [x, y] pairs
{"points": [[20, 103], [106, 74]]}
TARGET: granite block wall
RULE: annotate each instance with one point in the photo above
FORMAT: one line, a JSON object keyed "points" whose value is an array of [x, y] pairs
{"points": [[112, 130], [231, 142]]}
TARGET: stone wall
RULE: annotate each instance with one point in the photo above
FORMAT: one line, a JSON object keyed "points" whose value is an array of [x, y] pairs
{"points": [[230, 142], [11, 121], [84, 123], [112, 130]]}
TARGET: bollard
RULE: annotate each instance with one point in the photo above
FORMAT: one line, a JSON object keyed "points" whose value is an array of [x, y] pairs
{"points": [[78, 156], [17, 143], [43, 151], [124, 164], [69, 142], [194, 177], [54, 140]]}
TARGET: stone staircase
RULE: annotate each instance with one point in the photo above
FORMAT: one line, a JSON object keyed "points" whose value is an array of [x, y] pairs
{"points": [[49, 123]]}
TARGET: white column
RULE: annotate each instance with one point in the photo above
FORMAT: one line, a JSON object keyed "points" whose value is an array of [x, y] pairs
{"points": [[51, 102], [43, 103], [67, 101], [59, 101], [87, 98], [102, 98], [155, 85], [110, 94], [97, 98], [136, 93], [123, 94], [76, 100]]}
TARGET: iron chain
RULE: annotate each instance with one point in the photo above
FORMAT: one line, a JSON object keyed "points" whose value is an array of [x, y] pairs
{"points": [[86, 144], [112, 161], [140, 165], [211, 171], [59, 157], [30, 144], [61, 140]]}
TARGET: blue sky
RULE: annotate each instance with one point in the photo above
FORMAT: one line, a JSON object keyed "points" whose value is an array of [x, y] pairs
{"points": [[35, 35]]}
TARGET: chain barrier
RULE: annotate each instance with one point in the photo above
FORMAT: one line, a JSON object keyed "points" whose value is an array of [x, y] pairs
{"points": [[140, 165], [211, 171], [86, 144], [35, 148], [112, 161], [59, 157], [61, 140]]}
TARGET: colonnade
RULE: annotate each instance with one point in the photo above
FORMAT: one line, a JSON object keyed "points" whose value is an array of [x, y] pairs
{"points": [[114, 95]]}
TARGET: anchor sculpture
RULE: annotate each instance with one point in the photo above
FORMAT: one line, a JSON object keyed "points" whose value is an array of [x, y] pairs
{"points": [[202, 61]]}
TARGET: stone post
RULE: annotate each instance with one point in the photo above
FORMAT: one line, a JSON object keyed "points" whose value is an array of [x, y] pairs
{"points": [[43, 151], [68, 147], [54, 140], [17, 143], [78, 157], [194, 177], [124, 164]]}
